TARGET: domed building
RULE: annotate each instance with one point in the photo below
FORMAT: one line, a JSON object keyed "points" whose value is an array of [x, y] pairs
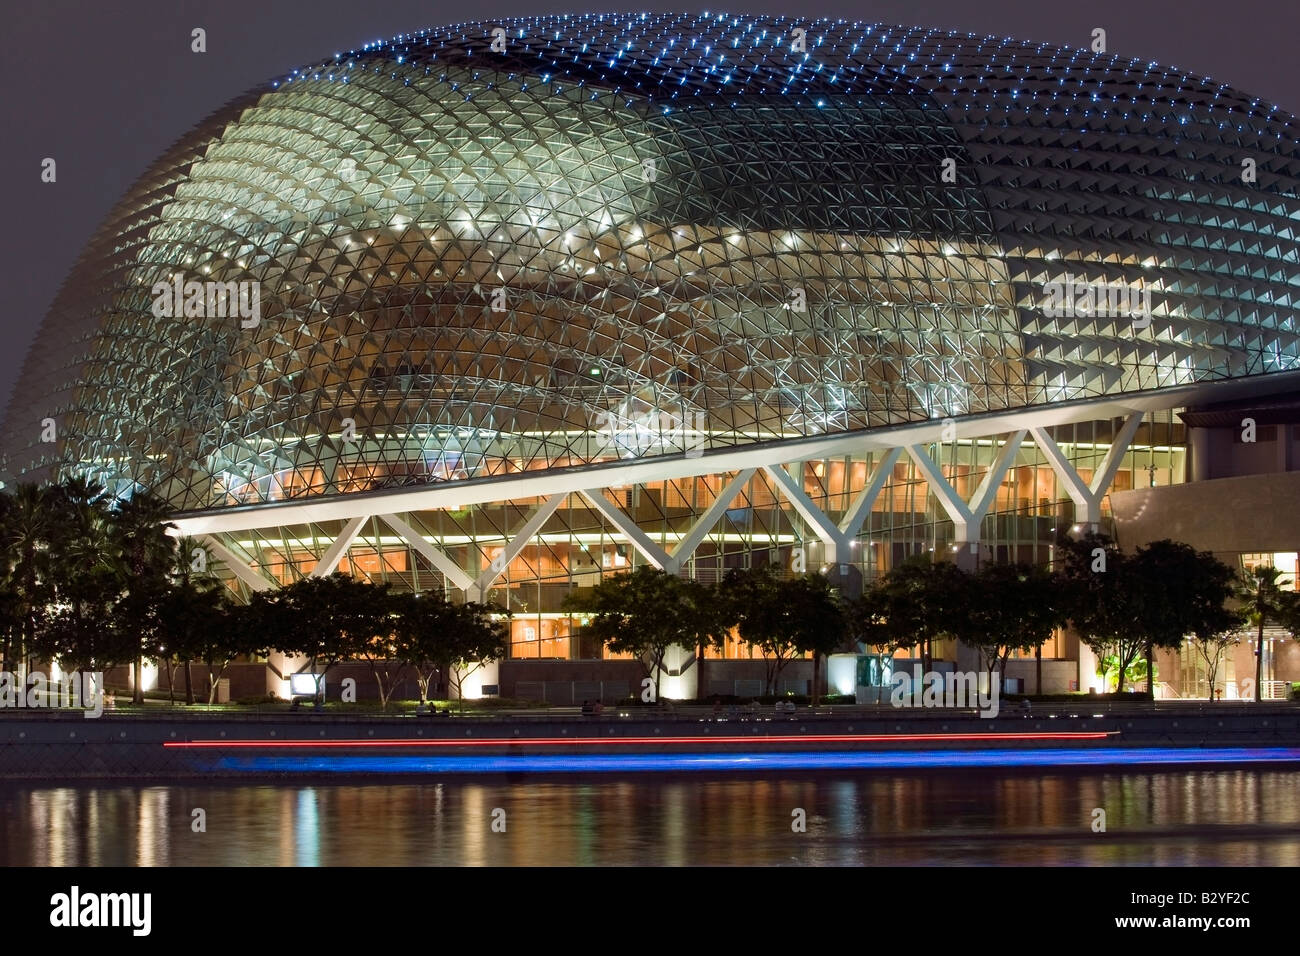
{"points": [[501, 307]]}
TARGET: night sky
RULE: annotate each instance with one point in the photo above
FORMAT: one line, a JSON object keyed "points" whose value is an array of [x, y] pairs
{"points": [[104, 88]]}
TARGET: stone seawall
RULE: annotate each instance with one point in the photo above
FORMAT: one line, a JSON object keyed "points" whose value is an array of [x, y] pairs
{"points": [[69, 746]]}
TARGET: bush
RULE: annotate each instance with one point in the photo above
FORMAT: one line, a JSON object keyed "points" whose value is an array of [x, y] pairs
{"points": [[494, 703]]}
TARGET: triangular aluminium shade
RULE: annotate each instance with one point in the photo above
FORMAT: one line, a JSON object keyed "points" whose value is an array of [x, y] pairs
{"points": [[474, 256]]}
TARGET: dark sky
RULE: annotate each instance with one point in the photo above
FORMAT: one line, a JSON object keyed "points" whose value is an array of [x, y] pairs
{"points": [[105, 87]]}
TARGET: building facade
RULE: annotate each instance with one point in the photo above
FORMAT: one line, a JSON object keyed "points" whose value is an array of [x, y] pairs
{"points": [[500, 308], [1241, 501]]}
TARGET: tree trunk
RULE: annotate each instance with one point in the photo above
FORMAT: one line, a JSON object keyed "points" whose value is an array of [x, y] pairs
{"points": [[701, 688], [1038, 670], [1122, 668], [1259, 662], [25, 642], [189, 685], [137, 695], [1151, 671], [816, 661]]}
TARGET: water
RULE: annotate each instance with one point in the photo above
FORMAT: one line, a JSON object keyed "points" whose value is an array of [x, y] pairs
{"points": [[1167, 818]]}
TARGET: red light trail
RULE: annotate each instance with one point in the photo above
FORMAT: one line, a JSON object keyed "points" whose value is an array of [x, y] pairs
{"points": [[625, 741]]}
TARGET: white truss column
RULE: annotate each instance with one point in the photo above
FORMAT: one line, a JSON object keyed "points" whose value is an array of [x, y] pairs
{"points": [[278, 666], [986, 495], [967, 517], [438, 558], [963, 520], [1110, 464], [238, 567], [620, 520], [327, 564], [1087, 498], [852, 521], [836, 542], [499, 564], [704, 524]]}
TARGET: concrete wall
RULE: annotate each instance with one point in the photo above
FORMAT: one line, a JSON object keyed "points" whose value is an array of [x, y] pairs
{"points": [[745, 678], [1224, 515], [1219, 452], [246, 680], [570, 682]]}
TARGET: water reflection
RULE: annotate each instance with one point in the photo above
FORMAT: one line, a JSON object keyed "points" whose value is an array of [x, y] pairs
{"points": [[1213, 817]]}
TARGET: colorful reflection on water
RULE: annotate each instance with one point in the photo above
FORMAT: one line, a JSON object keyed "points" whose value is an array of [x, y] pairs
{"points": [[1240, 817]]}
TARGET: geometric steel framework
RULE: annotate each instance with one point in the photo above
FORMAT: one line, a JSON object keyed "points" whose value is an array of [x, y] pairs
{"points": [[590, 239], [544, 298], [838, 538]]}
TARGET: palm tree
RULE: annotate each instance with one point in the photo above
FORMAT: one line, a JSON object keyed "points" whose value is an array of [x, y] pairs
{"points": [[80, 583], [29, 526], [143, 555], [1262, 600], [11, 615], [187, 577], [79, 542]]}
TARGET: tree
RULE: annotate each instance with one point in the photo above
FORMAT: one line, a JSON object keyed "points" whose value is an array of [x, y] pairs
{"points": [[434, 636], [11, 619], [1289, 613], [1262, 600], [30, 526], [752, 598], [202, 624], [912, 605], [192, 568], [867, 618], [380, 652], [143, 555], [1178, 591], [81, 631], [784, 618], [645, 612], [478, 636], [138, 613], [1010, 607], [817, 617], [707, 619], [1101, 598], [1211, 645], [327, 620], [1184, 595], [77, 588], [1108, 670]]}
